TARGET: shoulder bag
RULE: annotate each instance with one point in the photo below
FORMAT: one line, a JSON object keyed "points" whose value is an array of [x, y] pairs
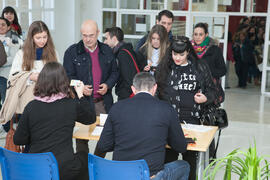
{"points": [[9, 139]]}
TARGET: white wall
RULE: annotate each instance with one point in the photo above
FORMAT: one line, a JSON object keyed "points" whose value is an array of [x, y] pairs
{"points": [[91, 9], [65, 25]]}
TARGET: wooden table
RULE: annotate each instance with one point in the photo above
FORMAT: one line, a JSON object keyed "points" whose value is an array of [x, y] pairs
{"points": [[202, 143]]}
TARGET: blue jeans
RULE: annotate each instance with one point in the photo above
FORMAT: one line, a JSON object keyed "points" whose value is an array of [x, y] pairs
{"points": [[176, 170]]}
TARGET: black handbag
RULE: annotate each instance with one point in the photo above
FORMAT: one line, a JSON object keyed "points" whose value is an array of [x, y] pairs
{"points": [[214, 116]]}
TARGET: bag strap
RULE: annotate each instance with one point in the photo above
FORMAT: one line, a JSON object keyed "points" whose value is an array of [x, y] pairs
{"points": [[135, 64], [215, 152]]}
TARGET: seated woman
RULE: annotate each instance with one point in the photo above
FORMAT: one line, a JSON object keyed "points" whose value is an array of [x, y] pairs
{"points": [[154, 49], [186, 84], [47, 122]]}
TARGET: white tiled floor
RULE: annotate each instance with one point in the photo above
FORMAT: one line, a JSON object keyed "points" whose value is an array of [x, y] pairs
{"points": [[249, 120]]}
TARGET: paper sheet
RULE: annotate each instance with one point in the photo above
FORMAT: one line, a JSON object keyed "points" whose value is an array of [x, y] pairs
{"points": [[75, 129], [199, 128], [102, 119], [97, 131]]}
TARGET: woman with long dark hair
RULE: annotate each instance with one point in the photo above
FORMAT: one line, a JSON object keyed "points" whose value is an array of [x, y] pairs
{"points": [[186, 84], [10, 14], [47, 122]]}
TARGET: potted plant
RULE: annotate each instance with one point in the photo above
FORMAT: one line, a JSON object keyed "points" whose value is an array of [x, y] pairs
{"points": [[245, 164]]}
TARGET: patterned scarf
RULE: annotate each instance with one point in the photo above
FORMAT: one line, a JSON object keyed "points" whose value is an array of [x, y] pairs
{"points": [[201, 48]]}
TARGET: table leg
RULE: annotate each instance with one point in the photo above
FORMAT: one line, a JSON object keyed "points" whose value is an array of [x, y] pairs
{"points": [[202, 163]]}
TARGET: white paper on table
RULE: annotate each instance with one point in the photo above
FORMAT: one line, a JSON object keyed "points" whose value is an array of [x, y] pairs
{"points": [[199, 128], [102, 119], [97, 131], [75, 129]]}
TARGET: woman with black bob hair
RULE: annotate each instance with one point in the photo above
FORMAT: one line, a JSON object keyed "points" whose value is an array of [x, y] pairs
{"points": [[10, 14], [47, 122], [186, 84]]}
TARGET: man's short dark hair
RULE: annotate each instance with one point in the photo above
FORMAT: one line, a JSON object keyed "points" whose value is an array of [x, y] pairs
{"points": [[144, 81], [117, 32], [166, 13]]}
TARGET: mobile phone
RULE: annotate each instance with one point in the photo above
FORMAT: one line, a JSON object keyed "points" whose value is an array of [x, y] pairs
{"points": [[153, 68], [190, 141]]}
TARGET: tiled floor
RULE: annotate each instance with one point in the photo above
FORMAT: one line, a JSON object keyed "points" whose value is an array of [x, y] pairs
{"points": [[249, 120]]}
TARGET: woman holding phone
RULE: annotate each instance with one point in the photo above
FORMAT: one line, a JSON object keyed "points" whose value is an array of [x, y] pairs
{"points": [[186, 84]]}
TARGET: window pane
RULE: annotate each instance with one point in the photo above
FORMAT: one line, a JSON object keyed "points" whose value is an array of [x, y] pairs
{"points": [[24, 20], [24, 4], [128, 4], [109, 4], [109, 20], [203, 5], [229, 6], [36, 4], [256, 6], [267, 84], [154, 4], [48, 18], [48, 3], [268, 59], [216, 25], [36, 15], [179, 26], [178, 5], [11, 3], [135, 24]]}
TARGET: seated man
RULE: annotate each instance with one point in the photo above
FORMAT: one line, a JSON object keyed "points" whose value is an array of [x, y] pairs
{"points": [[140, 127]]}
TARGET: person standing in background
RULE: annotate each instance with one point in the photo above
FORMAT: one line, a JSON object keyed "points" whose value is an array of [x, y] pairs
{"points": [[10, 14], [12, 44], [154, 49], [126, 60], [38, 49], [94, 64], [230, 59], [207, 50], [164, 18], [185, 83]]}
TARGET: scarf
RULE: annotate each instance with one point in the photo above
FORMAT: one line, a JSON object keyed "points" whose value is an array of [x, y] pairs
{"points": [[116, 48], [201, 48], [52, 98]]}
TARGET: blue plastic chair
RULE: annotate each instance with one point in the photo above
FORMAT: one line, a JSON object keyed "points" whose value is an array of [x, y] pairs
{"points": [[103, 169], [20, 166]]}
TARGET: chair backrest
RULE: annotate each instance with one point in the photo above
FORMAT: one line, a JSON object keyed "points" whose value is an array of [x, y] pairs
{"points": [[22, 166], [103, 169]]}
